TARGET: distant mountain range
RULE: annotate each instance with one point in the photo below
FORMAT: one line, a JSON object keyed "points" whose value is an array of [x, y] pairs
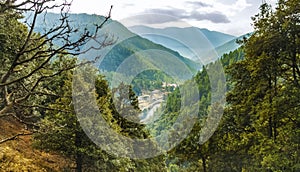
{"points": [[227, 47], [197, 44], [129, 48], [150, 48]]}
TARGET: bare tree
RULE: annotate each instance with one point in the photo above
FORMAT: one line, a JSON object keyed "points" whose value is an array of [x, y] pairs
{"points": [[28, 65]]}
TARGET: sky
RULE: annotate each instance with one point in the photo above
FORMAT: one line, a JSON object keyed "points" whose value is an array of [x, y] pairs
{"points": [[227, 16]]}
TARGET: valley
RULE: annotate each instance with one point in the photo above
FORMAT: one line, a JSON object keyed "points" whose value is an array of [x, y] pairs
{"points": [[150, 101], [85, 92]]}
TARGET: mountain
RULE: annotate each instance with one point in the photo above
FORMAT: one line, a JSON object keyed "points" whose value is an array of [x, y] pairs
{"points": [[191, 42], [129, 48], [226, 48]]}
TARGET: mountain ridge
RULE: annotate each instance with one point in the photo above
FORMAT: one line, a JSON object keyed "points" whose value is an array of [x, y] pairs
{"points": [[127, 42], [191, 42], [210, 34]]}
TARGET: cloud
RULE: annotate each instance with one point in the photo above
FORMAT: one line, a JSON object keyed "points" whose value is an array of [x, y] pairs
{"points": [[173, 14], [178, 13], [155, 18], [215, 17], [242, 4], [198, 4]]}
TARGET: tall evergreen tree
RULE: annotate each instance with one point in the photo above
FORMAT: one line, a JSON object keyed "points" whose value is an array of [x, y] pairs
{"points": [[262, 105], [60, 130]]}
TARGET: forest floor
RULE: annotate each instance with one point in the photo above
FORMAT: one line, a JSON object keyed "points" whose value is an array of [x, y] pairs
{"points": [[19, 155]]}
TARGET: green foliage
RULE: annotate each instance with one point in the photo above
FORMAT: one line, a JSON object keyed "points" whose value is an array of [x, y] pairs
{"points": [[36, 88], [258, 132], [134, 44], [60, 130], [150, 80], [190, 154], [24, 69], [126, 111], [262, 112]]}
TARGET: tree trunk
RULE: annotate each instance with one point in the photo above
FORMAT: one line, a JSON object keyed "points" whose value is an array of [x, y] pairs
{"points": [[275, 114], [270, 132], [78, 162], [78, 154], [204, 163]]}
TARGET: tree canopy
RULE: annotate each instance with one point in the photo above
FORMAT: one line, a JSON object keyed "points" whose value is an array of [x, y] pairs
{"points": [[259, 130]]}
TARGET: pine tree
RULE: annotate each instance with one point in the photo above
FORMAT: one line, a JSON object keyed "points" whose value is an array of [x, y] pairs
{"points": [[60, 130], [266, 85]]}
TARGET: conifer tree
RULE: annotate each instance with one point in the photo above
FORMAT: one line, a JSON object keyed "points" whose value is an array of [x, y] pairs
{"points": [[262, 104]]}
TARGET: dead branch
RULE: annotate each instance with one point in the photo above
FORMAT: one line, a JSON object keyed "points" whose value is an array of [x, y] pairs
{"points": [[14, 137], [5, 115], [14, 87]]}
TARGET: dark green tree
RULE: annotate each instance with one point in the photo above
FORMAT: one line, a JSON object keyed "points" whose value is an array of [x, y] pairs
{"points": [[262, 112], [60, 130]]}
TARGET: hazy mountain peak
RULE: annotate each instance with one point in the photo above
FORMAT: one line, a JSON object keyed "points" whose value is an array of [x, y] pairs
{"points": [[191, 42]]}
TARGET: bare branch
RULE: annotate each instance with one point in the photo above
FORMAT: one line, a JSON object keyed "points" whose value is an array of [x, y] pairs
{"points": [[106, 19], [14, 137], [5, 115], [37, 51], [45, 108], [6, 109]]}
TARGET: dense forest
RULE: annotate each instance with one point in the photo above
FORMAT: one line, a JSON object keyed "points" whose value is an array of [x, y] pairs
{"points": [[255, 126]]}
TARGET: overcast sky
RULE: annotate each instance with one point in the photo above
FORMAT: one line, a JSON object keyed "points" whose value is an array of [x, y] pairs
{"points": [[228, 16]]}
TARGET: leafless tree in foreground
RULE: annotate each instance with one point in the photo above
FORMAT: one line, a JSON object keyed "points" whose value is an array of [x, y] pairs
{"points": [[27, 66]]}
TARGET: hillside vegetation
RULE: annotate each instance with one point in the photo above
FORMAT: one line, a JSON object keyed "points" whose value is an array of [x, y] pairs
{"points": [[240, 113]]}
